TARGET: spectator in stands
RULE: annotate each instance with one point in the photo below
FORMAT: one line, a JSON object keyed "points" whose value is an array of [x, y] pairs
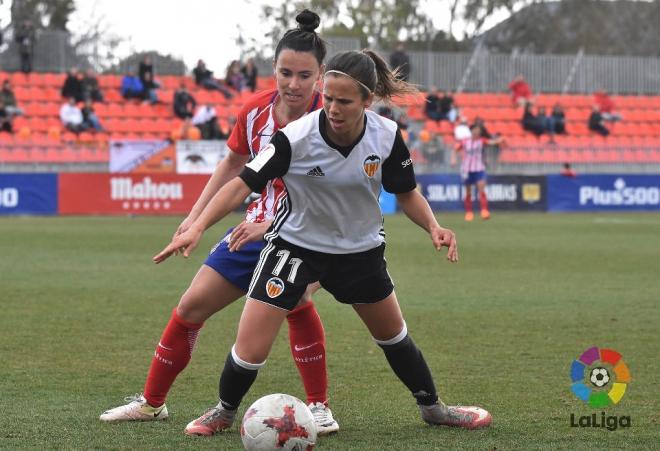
{"points": [[462, 129], [25, 39], [521, 93], [235, 78], [448, 109], [90, 87], [71, 116], [250, 73], [73, 86], [131, 86], [187, 131], [206, 120], [150, 89], [559, 119], [146, 69], [9, 100], [606, 105], [432, 104], [204, 78], [530, 122], [90, 119], [567, 171], [400, 59], [184, 103], [596, 123], [546, 121], [5, 119]]}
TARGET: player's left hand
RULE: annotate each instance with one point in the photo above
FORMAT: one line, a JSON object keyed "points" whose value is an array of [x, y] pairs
{"points": [[442, 237], [247, 232], [184, 243]]}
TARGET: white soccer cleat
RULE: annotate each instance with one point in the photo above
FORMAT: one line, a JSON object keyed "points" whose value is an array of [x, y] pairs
{"points": [[137, 409], [468, 417], [325, 423]]}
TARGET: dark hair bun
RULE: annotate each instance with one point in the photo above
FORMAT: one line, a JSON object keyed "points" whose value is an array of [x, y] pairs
{"points": [[308, 20]]}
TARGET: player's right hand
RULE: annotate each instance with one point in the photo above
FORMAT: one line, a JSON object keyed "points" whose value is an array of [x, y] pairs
{"points": [[442, 237], [184, 243], [184, 226]]}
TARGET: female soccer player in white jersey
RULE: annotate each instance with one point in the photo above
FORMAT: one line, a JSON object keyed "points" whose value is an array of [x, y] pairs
{"points": [[328, 228], [225, 276], [473, 170]]}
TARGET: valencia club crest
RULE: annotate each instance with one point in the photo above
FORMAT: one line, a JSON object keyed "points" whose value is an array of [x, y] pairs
{"points": [[371, 164], [274, 287]]}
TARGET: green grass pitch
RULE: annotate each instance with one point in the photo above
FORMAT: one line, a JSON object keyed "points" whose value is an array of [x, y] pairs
{"points": [[83, 307]]}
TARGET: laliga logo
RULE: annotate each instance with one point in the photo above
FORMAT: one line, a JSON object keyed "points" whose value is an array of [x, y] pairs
{"points": [[599, 378]]}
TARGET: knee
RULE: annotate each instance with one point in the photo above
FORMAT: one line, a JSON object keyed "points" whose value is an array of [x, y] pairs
{"points": [[191, 308], [393, 340], [248, 358]]}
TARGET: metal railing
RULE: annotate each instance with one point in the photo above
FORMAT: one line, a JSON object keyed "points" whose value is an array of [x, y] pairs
{"points": [[479, 71], [482, 71]]}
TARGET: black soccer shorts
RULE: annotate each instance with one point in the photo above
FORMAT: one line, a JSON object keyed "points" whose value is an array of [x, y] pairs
{"points": [[284, 270]]}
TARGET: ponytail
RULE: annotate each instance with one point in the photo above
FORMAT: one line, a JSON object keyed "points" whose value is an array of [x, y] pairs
{"points": [[389, 84], [372, 74]]}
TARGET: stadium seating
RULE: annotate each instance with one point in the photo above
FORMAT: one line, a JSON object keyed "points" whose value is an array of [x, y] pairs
{"points": [[39, 136], [636, 139]]}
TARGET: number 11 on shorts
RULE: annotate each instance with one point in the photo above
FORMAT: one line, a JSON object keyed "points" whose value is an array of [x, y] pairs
{"points": [[294, 262]]}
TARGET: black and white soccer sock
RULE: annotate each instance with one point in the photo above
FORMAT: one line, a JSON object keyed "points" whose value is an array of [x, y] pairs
{"points": [[236, 379], [409, 365]]}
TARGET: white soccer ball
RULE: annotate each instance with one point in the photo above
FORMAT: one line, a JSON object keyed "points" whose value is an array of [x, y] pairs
{"points": [[599, 377], [278, 422]]}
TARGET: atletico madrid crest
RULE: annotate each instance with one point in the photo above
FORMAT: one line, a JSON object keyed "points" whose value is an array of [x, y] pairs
{"points": [[371, 164], [274, 287]]}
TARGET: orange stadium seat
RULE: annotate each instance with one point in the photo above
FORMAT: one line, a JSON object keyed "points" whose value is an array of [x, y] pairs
{"points": [[637, 136]]}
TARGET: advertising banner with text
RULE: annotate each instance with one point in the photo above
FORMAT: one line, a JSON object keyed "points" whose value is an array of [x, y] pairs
{"points": [[23, 194], [604, 192], [155, 194], [504, 192]]}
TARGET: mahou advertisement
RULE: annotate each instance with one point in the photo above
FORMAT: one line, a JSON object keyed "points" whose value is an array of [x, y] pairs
{"points": [[154, 194]]}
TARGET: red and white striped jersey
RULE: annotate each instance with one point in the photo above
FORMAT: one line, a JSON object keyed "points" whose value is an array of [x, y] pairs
{"points": [[472, 159], [255, 126]]}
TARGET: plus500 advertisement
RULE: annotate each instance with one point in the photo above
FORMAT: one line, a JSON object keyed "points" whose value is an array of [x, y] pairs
{"points": [[22, 194], [604, 193]]}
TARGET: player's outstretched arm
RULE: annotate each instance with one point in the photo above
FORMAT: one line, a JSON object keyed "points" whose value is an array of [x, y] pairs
{"points": [[419, 211], [224, 202], [226, 170]]}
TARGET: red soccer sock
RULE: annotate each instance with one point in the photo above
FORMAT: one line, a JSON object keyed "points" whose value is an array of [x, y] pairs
{"points": [[483, 200], [170, 358], [467, 203], [307, 340]]}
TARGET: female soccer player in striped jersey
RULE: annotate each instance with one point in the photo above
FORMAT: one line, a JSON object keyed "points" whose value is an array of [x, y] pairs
{"points": [[473, 169], [329, 228], [226, 274]]}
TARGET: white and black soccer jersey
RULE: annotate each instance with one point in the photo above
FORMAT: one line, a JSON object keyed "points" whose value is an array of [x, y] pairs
{"points": [[332, 204]]}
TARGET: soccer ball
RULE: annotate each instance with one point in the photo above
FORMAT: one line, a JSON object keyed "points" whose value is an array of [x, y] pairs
{"points": [[278, 422], [599, 377]]}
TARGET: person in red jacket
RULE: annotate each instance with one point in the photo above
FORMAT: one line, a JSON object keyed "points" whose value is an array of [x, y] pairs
{"points": [[521, 93], [607, 107]]}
